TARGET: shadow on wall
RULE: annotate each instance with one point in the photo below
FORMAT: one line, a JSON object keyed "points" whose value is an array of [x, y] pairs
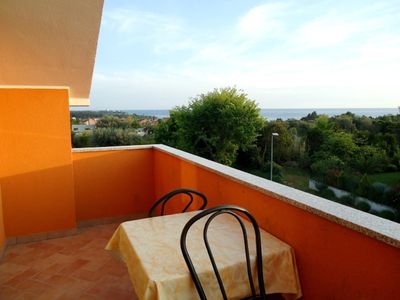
{"points": [[40, 201], [113, 183]]}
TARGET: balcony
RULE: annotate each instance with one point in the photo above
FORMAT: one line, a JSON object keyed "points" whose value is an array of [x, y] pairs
{"points": [[341, 253]]}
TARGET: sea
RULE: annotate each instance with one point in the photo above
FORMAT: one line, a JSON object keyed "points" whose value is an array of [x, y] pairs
{"points": [[292, 113]]}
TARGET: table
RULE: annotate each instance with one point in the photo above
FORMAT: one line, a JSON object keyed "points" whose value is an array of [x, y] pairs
{"points": [[150, 248]]}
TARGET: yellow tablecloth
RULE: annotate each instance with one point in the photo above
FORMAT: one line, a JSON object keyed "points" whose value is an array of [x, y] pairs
{"points": [[151, 249]]}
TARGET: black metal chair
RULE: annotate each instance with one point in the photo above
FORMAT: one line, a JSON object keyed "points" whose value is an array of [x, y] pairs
{"points": [[214, 212], [164, 199]]}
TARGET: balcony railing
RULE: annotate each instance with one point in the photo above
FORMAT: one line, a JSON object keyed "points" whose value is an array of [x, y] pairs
{"points": [[342, 253]]}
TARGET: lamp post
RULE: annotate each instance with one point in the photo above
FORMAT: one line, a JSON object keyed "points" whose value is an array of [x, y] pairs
{"points": [[272, 150]]}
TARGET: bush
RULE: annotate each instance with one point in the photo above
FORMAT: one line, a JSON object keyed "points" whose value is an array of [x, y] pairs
{"points": [[305, 161], [217, 125], [374, 212], [291, 164], [364, 206], [387, 214], [348, 182], [320, 186], [391, 168], [327, 194], [347, 200], [276, 172]]}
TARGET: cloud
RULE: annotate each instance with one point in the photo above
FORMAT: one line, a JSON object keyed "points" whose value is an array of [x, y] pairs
{"points": [[131, 27], [272, 52], [262, 21], [326, 32]]}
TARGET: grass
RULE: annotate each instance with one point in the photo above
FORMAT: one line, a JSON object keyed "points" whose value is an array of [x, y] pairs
{"points": [[293, 177], [296, 178], [390, 179]]}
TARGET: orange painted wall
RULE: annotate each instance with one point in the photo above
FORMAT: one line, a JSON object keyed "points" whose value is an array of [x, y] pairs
{"points": [[36, 161], [113, 183], [2, 233], [334, 262]]}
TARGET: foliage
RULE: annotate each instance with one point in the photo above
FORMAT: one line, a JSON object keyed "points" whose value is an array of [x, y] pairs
{"points": [[347, 200], [112, 129], [86, 114], [327, 194], [362, 205], [296, 177], [387, 214], [328, 169], [283, 143], [85, 139], [369, 159], [215, 125], [115, 137], [167, 131], [117, 122], [349, 152]]}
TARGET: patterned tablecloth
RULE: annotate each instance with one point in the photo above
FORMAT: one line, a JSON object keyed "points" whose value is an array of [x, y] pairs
{"points": [[151, 249]]}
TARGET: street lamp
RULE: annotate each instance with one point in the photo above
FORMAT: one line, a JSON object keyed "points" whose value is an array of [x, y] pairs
{"points": [[272, 150]]}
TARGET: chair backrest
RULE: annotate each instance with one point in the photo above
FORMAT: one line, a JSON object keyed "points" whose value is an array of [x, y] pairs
{"points": [[214, 212], [184, 191]]}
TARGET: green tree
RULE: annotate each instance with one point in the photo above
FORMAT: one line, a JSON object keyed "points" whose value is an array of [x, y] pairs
{"points": [[328, 169], [115, 137], [340, 144], [369, 159], [166, 131], [118, 122], [283, 144], [215, 125]]}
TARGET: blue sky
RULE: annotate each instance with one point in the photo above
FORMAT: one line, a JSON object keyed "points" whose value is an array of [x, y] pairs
{"points": [[283, 54]]}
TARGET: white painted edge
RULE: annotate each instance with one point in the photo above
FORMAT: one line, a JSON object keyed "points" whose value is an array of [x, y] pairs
{"points": [[79, 102], [35, 87], [111, 148], [365, 223]]}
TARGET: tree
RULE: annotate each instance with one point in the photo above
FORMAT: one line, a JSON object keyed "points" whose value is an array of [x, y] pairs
{"points": [[215, 125], [283, 144], [328, 169], [115, 137], [166, 131], [340, 144], [117, 122], [369, 159]]}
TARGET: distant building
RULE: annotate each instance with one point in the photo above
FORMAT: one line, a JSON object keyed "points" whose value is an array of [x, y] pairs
{"points": [[82, 128], [149, 121], [91, 121]]}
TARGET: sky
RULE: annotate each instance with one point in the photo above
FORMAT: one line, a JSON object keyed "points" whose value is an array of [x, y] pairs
{"points": [[283, 54]]}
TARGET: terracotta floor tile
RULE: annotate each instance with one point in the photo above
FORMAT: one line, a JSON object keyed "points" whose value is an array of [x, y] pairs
{"points": [[12, 268], [8, 292], [51, 294], [87, 275], [5, 277], [21, 277], [74, 267], [70, 268], [60, 280], [33, 287], [26, 296]]}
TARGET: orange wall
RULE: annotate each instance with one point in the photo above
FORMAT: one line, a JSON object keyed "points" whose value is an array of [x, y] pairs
{"points": [[113, 183], [334, 262], [2, 233], [36, 161]]}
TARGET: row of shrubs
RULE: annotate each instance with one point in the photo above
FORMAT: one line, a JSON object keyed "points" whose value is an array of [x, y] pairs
{"points": [[364, 187], [350, 200]]}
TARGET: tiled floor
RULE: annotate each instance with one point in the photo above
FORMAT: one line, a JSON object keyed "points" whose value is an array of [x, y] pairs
{"points": [[75, 267]]}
